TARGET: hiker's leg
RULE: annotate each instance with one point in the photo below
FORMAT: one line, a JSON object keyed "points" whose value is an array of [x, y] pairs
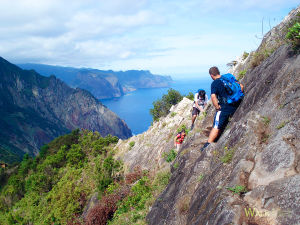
{"points": [[220, 122], [194, 118], [214, 133]]}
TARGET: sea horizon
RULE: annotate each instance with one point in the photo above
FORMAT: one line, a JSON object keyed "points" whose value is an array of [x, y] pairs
{"points": [[134, 107]]}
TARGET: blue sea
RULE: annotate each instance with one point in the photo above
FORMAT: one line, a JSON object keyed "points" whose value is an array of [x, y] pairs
{"points": [[135, 106]]}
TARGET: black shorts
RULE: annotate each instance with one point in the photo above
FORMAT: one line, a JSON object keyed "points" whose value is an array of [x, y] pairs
{"points": [[221, 119], [195, 111]]}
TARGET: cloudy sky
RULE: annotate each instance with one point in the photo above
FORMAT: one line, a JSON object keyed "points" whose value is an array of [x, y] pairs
{"points": [[171, 37]]}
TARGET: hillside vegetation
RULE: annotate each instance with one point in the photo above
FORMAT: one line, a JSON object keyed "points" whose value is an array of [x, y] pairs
{"points": [[54, 187]]}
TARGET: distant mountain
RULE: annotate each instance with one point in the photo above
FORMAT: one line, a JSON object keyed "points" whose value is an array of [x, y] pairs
{"points": [[35, 109], [103, 84]]}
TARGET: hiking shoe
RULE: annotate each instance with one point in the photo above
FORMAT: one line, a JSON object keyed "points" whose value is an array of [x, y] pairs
{"points": [[192, 127], [204, 146]]}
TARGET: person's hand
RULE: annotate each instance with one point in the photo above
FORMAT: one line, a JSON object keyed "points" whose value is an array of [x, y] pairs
{"points": [[218, 108]]}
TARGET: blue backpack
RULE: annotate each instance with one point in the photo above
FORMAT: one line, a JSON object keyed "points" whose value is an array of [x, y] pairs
{"points": [[232, 87]]}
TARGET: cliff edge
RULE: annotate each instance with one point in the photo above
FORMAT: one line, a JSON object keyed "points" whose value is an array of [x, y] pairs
{"points": [[251, 175]]}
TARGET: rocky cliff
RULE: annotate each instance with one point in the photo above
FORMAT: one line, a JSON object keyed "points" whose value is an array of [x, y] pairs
{"points": [[103, 84], [36, 109], [251, 175]]}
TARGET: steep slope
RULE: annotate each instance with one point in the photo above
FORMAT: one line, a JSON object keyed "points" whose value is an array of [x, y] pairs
{"points": [[103, 84], [36, 109], [258, 155]]}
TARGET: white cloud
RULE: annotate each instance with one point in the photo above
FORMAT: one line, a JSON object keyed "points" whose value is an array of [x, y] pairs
{"points": [[161, 35]]}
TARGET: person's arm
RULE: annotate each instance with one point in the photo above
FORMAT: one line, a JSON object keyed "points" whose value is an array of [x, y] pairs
{"points": [[175, 139], [215, 101], [242, 87], [196, 101], [214, 92], [206, 100]]}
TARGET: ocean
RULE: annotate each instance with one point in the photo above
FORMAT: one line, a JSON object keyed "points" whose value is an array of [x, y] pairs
{"points": [[134, 107]]}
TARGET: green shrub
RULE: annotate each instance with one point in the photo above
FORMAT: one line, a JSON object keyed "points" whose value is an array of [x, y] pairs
{"points": [[266, 120], [282, 124], [38, 182], [227, 158], [261, 55], [51, 188], [176, 165], [170, 156], [75, 156], [106, 171], [190, 96], [173, 114], [161, 107], [241, 74], [131, 144], [238, 189], [43, 151], [183, 127], [293, 35], [245, 55], [141, 192], [201, 176]]}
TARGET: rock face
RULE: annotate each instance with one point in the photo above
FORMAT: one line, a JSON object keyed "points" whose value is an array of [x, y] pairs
{"points": [[36, 109], [151, 145], [103, 84], [258, 150]]}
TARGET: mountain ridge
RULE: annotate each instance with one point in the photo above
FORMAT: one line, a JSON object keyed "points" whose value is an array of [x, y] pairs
{"points": [[103, 83], [35, 109]]}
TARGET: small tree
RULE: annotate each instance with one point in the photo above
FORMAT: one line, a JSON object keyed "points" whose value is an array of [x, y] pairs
{"points": [[162, 106]]}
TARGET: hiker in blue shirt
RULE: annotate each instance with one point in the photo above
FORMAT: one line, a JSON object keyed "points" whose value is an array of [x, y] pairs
{"points": [[219, 97]]}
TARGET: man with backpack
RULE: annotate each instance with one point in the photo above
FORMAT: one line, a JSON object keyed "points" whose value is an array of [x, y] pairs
{"points": [[226, 95], [200, 101]]}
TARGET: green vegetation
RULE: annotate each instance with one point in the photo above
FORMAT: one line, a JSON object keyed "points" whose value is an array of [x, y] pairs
{"points": [[266, 120], [264, 137], [131, 144], [173, 114], [162, 106], [262, 54], [202, 115], [238, 189], [53, 187], [201, 176], [183, 127], [241, 74], [293, 35], [245, 55], [190, 96], [282, 124], [227, 158], [134, 208], [176, 165], [170, 156]]}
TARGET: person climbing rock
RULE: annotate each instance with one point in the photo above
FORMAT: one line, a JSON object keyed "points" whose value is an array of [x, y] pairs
{"points": [[179, 139], [226, 96], [200, 101]]}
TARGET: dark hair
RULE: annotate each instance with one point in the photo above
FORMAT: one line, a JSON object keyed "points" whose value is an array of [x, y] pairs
{"points": [[214, 71], [202, 94]]}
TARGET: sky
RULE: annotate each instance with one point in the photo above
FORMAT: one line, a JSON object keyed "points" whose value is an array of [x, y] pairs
{"points": [[168, 37]]}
